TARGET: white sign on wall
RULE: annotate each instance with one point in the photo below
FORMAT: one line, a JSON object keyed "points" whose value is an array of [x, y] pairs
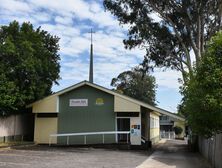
{"points": [[78, 102], [135, 132]]}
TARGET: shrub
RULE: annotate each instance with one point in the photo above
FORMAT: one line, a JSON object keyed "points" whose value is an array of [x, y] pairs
{"points": [[178, 130]]}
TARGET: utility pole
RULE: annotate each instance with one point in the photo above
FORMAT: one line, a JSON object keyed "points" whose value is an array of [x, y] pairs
{"points": [[91, 59]]}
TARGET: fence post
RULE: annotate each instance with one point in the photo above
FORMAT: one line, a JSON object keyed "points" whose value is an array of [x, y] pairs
{"points": [[116, 137], [85, 139], [67, 142], [214, 149]]}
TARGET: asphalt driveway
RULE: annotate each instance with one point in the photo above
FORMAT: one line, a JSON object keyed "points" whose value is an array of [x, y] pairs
{"points": [[70, 157], [167, 154]]}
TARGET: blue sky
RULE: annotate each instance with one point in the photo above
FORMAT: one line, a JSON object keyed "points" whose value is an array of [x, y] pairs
{"points": [[71, 20]]}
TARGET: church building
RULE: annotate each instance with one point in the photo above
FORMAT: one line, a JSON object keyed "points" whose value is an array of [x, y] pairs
{"points": [[87, 113]]}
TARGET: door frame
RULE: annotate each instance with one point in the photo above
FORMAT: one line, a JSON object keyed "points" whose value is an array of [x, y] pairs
{"points": [[117, 126]]}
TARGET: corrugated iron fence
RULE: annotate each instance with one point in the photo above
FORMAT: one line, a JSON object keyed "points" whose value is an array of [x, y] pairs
{"points": [[211, 149]]}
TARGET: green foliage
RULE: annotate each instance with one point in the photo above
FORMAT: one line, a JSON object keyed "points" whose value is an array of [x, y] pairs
{"points": [[202, 102], [178, 130], [137, 85], [28, 65], [181, 26]]}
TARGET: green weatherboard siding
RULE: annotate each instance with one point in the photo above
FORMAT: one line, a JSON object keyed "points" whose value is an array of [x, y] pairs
{"points": [[91, 118]]}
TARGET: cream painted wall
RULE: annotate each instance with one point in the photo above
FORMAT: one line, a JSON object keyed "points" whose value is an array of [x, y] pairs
{"points": [[154, 132], [43, 128], [155, 128], [46, 105], [123, 105], [154, 114]]}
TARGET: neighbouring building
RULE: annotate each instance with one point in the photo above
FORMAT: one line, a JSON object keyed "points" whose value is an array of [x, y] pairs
{"points": [[167, 124], [89, 108]]}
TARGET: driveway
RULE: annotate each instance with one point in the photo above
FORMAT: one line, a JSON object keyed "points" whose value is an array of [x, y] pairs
{"points": [[70, 157], [173, 154], [167, 154]]}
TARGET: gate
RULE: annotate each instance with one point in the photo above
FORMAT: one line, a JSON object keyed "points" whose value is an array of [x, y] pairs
{"points": [[167, 134]]}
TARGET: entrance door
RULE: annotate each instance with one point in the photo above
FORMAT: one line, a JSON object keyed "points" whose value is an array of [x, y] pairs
{"points": [[123, 124]]}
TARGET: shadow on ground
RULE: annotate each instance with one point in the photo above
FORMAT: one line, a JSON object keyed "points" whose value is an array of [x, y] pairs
{"points": [[174, 154]]}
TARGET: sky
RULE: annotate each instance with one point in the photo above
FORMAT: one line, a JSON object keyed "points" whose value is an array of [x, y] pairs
{"points": [[71, 21]]}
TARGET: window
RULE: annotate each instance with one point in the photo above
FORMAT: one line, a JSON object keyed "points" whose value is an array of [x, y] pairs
{"points": [[164, 117], [154, 122], [151, 122]]}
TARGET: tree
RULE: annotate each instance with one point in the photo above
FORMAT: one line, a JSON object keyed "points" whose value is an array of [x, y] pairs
{"points": [[178, 130], [28, 65], [202, 102], [137, 85], [185, 26]]}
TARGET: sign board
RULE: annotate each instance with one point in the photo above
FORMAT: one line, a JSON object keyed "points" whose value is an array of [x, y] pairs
{"points": [[135, 131], [78, 102], [99, 101]]}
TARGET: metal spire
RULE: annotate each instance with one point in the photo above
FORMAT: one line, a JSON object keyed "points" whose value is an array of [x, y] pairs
{"points": [[91, 59]]}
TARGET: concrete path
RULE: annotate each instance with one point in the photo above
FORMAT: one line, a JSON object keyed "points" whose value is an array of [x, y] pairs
{"points": [[173, 154]]}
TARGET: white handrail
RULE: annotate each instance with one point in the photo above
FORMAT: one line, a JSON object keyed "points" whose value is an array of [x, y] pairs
{"points": [[85, 134]]}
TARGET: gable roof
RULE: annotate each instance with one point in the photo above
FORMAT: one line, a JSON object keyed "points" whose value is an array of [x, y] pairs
{"points": [[156, 109]]}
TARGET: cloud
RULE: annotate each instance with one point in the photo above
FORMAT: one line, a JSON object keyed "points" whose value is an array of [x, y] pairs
{"points": [[71, 20], [76, 74], [167, 79], [64, 20], [95, 8], [15, 6]]}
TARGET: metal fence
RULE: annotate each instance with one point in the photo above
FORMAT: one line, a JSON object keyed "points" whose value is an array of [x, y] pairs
{"points": [[167, 135], [85, 134], [211, 149]]}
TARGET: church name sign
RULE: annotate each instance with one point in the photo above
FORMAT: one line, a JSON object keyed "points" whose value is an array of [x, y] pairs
{"points": [[78, 102]]}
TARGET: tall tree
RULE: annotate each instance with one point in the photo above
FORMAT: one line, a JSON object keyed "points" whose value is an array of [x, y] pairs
{"points": [[29, 65], [202, 102], [136, 84], [185, 26]]}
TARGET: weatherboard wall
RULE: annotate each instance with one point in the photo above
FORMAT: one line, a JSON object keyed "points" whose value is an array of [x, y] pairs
{"points": [[123, 105], [154, 127], [46, 105], [43, 128], [91, 118]]}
